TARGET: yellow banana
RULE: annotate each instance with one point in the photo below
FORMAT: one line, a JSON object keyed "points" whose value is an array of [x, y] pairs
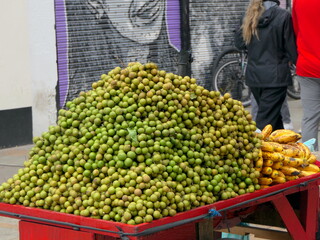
{"points": [[282, 132], [311, 167], [279, 180], [287, 138], [267, 146], [267, 163], [289, 171], [266, 170], [293, 162], [306, 173], [265, 181], [281, 174], [284, 136], [307, 151], [266, 131], [290, 150], [289, 178], [259, 163], [274, 174], [264, 186], [312, 158], [277, 165], [277, 146], [286, 161], [274, 156], [301, 150]]}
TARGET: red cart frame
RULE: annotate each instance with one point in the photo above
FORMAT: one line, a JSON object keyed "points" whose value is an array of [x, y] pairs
{"points": [[43, 224]]}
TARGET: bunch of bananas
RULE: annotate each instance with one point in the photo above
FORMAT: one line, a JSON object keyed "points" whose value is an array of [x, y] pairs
{"points": [[283, 158]]}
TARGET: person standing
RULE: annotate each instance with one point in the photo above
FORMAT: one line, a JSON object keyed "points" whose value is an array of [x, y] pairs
{"points": [[267, 34], [306, 22], [285, 112]]}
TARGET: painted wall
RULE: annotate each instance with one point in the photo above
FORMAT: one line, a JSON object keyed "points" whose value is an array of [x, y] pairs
{"points": [[43, 66], [28, 70], [15, 77], [90, 43], [94, 37], [212, 23]]}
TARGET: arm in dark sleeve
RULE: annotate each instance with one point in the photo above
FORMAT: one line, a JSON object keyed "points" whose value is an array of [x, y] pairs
{"points": [[290, 40], [238, 39]]}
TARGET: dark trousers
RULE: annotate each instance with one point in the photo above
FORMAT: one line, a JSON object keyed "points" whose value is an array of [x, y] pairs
{"points": [[269, 102]]}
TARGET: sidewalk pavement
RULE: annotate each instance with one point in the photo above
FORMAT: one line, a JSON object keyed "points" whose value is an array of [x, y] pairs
{"points": [[12, 159]]}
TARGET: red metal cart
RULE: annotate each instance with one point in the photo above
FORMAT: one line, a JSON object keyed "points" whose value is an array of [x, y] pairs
{"points": [[39, 224]]}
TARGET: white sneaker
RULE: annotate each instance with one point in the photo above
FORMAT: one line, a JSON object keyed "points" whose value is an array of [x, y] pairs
{"points": [[288, 126]]}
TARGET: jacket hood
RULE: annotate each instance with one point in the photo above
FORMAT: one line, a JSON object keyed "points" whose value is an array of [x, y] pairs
{"points": [[266, 17]]}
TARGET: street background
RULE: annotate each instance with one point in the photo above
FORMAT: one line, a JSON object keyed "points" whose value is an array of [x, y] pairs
{"points": [[12, 159]]}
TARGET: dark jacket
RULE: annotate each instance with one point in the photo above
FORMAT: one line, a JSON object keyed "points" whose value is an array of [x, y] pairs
{"points": [[269, 54]]}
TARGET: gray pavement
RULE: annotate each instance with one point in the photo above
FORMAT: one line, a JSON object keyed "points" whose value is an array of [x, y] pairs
{"points": [[12, 159], [296, 113]]}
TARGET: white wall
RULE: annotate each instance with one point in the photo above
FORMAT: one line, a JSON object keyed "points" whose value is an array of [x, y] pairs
{"points": [[15, 77], [43, 66], [28, 69]]}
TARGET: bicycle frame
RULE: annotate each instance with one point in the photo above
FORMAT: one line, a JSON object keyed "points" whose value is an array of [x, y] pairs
{"points": [[243, 61], [229, 78]]}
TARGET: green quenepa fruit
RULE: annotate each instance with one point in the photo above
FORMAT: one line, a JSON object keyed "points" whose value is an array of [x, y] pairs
{"points": [[142, 144]]}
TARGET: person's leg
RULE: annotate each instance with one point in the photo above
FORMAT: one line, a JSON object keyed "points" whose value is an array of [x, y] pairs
{"points": [[270, 101], [310, 100], [254, 107], [285, 113]]}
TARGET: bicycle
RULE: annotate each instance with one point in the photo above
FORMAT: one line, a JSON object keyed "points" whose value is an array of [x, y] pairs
{"points": [[229, 76]]}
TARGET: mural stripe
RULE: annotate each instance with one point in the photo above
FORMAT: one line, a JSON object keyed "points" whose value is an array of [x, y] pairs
{"points": [[173, 23], [62, 50]]}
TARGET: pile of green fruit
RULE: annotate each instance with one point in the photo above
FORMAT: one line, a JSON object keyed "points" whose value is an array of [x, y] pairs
{"points": [[141, 145]]}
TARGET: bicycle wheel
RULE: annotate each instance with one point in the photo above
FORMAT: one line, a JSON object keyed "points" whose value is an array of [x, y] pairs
{"points": [[227, 55], [229, 78]]}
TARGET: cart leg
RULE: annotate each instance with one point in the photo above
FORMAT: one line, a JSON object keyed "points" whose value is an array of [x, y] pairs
{"points": [[217, 235], [205, 229], [309, 210], [290, 219]]}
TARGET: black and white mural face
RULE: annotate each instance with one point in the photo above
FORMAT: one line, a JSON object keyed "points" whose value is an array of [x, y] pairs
{"points": [[95, 36], [132, 18]]}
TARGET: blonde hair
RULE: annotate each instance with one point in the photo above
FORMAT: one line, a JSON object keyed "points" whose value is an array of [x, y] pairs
{"points": [[251, 20]]}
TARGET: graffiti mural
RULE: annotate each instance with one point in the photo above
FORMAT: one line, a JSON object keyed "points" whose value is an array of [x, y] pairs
{"points": [[212, 24], [93, 37]]}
